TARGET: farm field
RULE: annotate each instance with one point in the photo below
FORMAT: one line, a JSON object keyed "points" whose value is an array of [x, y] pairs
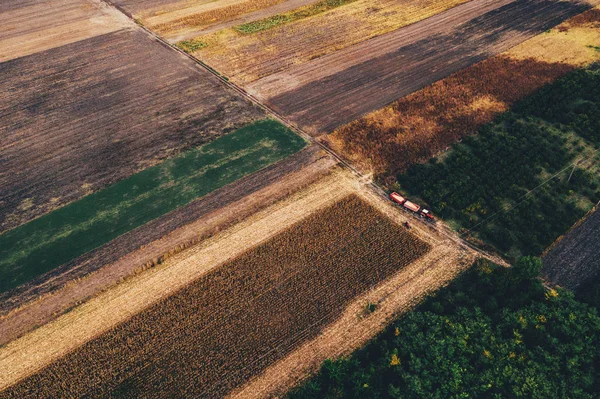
{"points": [[288, 296], [320, 98], [426, 122], [492, 332], [297, 42], [31, 27], [34, 304], [102, 109], [57, 237], [525, 178], [573, 262]]}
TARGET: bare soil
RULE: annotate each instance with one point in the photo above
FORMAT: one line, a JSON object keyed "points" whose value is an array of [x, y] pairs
{"points": [[574, 258], [415, 56], [45, 299], [78, 117], [30, 27]]}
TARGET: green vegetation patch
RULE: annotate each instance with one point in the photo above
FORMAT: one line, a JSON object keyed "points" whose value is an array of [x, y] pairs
{"points": [[189, 46], [60, 236], [493, 333], [483, 183], [285, 18]]}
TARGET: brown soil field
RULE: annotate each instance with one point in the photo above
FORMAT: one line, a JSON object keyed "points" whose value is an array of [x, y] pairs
{"points": [[81, 116], [426, 122], [574, 259], [155, 242], [416, 57], [245, 58], [30, 27], [242, 316]]}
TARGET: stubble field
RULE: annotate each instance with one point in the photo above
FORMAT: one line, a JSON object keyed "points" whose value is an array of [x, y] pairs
{"points": [[242, 316]]}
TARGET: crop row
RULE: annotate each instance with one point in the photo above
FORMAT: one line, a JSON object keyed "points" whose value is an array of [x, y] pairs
{"points": [[237, 320]]}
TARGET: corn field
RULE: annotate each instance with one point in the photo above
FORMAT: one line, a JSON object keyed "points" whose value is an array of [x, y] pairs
{"points": [[231, 324]]}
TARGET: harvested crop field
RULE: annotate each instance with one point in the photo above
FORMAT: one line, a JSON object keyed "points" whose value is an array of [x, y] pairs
{"points": [[81, 116], [574, 260], [298, 40], [241, 317], [66, 233], [424, 123], [322, 94]]}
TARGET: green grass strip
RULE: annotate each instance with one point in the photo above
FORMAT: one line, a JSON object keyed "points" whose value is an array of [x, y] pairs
{"points": [[189, 46], [291, 16], [62, 235]]}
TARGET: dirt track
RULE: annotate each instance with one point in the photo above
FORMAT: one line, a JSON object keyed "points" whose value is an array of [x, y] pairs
{"points": [[575, 258], [412, 58], [78, 117], [77, 281]]}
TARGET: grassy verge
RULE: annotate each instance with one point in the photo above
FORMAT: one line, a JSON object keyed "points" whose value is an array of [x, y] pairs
{"points": [[60, 236], [483, 183], [493, 333], [291, 16]]}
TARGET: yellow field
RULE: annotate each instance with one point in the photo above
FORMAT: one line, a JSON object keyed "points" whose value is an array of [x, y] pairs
{"points": [[573, 42], [54, 23], [245, 58]]}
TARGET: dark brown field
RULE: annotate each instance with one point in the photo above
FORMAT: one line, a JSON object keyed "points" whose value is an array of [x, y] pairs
{"points": [[78, 117], [415, 56], [231, 324], [576, 257]]}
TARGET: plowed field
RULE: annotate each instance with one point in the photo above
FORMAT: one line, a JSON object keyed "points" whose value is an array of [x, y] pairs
{"points": [[238, 319], [78, 117], [575, 259]]}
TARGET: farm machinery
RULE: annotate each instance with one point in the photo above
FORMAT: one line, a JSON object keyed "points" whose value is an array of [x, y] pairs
{"points": [[411, 206]]}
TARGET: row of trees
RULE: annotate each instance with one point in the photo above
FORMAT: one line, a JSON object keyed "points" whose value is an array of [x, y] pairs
{"points": [[493, 333]]}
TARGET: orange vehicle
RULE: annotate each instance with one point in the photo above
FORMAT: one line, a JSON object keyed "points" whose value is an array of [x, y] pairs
{"points": [[411, 206]]}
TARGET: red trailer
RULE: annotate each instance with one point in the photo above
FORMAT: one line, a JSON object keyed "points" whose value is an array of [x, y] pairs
{"points": [[412, 206], [397, 198]]}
